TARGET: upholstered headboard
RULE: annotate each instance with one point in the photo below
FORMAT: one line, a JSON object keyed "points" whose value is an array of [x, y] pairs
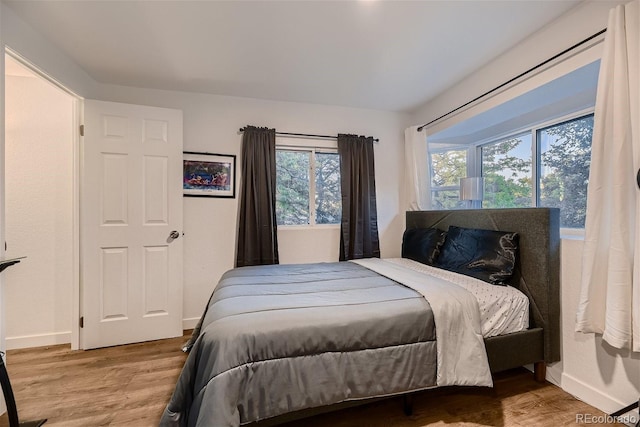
{"points": [[537, 271]]}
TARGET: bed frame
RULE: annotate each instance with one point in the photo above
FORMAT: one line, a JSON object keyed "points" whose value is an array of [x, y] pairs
{"points": [[537, 274]]}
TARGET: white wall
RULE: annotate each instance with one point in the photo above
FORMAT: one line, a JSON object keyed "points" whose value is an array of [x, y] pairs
{"points": [[3, 407], [211, 124], [38, 221], [602, 376], [592, 370]]}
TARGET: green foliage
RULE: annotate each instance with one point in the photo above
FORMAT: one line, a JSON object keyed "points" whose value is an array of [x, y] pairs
{"points": [[564, 172], [507, 176], [328, 192], [448, 167], [293, 188], [565, 167]]}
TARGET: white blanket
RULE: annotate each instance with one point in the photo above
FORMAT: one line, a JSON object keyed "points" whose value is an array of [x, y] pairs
{"points": [[462, 358], [503, 309]]}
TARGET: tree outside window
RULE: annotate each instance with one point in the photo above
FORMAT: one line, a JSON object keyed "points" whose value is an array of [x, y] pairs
{"points": [[561, 166], [307, 187], [506, 168], [447, 168], [564, 169]]}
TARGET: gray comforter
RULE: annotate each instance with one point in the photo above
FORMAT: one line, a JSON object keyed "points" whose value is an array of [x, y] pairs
{"points": [[276, 339]]}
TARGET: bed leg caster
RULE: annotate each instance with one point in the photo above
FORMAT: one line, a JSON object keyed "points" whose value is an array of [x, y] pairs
{"points": [[407, 404], [539, 371]]}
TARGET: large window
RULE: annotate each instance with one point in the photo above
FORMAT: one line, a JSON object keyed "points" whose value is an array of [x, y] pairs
{"points": [[307, 187], [565, 156], [543, 166], [506, 168], [447, 169]]}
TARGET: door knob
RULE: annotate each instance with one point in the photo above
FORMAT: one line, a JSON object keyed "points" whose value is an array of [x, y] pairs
{"points": [[174, 234]]}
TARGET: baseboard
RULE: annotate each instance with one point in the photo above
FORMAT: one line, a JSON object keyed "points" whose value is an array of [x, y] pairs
{"points": [[55, 338], [39, 340], [190, 323], [593, 396]]}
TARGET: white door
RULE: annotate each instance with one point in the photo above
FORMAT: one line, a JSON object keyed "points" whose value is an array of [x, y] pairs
{"points": [[131, 224]]}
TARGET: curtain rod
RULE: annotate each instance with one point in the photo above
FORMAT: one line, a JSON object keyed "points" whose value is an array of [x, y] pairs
{"points": [[542, 64], [306, 135]]}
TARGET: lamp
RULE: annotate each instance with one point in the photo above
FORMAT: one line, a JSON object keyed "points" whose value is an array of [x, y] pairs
{"points": [[472, 189]]}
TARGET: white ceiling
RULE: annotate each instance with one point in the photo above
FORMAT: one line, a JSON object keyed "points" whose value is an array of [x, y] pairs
{"points": [[388, 55]]}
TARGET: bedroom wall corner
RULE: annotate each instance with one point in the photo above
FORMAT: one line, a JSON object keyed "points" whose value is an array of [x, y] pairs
{"points": [[28, 43], [590, 369]]}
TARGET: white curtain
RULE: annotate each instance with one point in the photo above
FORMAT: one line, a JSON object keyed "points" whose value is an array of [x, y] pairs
{"points": [[417, 169], [610, 293]]}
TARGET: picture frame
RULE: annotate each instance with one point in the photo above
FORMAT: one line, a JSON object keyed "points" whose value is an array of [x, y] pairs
{"points": [[208, 174]]}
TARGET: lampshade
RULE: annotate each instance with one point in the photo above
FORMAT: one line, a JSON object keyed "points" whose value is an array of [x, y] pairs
{"points": [[472, 188]]}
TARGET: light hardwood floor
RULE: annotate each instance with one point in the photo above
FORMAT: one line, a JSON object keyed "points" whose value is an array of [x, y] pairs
{"points": [[130, 386]]}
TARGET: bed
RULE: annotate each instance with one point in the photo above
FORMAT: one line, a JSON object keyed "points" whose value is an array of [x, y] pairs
{"points": [[282, 342]]}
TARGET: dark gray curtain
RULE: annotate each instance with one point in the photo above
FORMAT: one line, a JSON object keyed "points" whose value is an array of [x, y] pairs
{"points": [[257, 228], [359, 228]]}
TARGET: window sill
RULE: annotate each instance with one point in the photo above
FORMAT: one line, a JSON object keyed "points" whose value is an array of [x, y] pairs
{"points": [[572, 233], [308, 227]]}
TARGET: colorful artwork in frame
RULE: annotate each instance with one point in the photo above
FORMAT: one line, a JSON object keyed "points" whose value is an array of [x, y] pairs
{"points": [[209, 175]]}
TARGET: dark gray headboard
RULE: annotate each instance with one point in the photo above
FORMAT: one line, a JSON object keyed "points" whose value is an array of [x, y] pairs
{"points": [[537, 272]]}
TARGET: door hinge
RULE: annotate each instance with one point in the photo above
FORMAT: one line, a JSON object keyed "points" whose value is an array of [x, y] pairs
{"points": [[82, 322], [81, 130]]}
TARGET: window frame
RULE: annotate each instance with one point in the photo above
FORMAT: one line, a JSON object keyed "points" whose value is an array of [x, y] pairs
{"points": [[536, 153], [470, 169], [311, 151], [474, 155]]}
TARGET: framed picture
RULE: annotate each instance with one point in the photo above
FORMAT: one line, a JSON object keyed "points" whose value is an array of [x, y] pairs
{"points": [[208, 175]]}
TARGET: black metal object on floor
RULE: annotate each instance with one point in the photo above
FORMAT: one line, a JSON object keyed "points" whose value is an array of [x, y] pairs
{"points": [[7, 391], [631, 407], [12, 410]]}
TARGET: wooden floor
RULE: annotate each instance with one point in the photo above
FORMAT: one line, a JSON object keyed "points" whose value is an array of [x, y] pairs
{"points": [[130, 386]]}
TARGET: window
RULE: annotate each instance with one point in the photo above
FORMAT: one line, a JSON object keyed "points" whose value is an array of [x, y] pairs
{"points": [[506, 168], [544, 166], [307, 187], [565, 151], [446, 170]]}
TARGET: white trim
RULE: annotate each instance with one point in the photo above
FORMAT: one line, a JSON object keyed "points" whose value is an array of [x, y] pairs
{"points": [[534, 127], [189, 323], [311, 152], [591, 395], [306, 143], [78, 119], [38, 340], [31, 66], [572, 233], [292, 147]]}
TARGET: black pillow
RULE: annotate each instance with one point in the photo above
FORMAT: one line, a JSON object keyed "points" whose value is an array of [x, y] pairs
{"points": [[422, 244], [484, 254]]}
